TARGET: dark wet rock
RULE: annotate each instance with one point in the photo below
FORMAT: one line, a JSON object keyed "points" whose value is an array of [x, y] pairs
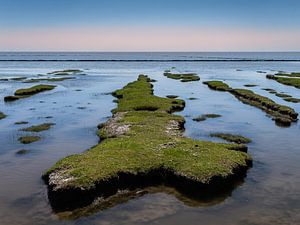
{"points": [[22, 152], [205, 116], [21, 122]]}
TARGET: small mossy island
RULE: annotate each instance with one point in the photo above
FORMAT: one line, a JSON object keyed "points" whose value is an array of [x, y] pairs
{"points": [[142, 145], [183, 77], [232, 138], [283, 115], [2, 115], [292, 79], [27, 92], [29, 139], [205, 116], [38, 128]]}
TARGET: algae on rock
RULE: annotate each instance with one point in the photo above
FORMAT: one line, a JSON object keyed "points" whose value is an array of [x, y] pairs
{"points": [[140, 145]]}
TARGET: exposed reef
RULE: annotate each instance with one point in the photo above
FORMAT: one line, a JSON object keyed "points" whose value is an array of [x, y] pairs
{"points": [[27, 92], [183, 77], [292, 79], [29, 139], [2, 115], [283, 115], [232, 138], [142, 145], [205, 116], [38, 128]]}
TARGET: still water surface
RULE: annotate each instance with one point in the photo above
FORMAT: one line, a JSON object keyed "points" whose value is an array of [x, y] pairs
{"points": [[270, 194]]}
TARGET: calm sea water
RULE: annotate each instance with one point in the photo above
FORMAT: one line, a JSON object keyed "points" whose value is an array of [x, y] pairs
{"points": [[270, 194]]}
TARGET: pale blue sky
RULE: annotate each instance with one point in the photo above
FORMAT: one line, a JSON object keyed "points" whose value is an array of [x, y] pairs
{"points": [[213, 15]]}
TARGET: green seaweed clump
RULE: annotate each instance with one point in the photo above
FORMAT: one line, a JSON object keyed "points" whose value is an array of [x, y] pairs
{"points": [[290, 80], [217, 85], [22, 152], [143, 144], [183, 77], [232, 138], [27, 92], [29, 139], [278, 112], [2, 115], [206, 116], [38, 128]]}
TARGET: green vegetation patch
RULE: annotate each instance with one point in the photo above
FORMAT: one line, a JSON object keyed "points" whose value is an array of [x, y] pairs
{"points": [[217, 85], [205, 116], [65, 72], [29, 139], [290, 80], [27, 92], [2, 115], [280, 113], [143, 138], [39, 128], [22, 152], [183, 77], [21, 122], [232, 138]]}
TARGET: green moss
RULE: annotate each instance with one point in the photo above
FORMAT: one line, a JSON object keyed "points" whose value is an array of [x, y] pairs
{"points": [[294, 100], [29, 139], [22, 152], [217, 85], [2, 115], [231, 138], [206, 116], [34, 90], [21, 122], [281, 95], [295, 82], [277, 111], [187, 77], [65, 72], [27, 92], [138, 139], [39, 128]]}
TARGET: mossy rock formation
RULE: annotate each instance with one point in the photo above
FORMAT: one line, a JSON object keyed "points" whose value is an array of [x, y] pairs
{"points": [[292, 79], [232, 138], [29, 139], [39, 128], [27, 92], [142, 145], [2, 115], [283, 115], [183, 77]]}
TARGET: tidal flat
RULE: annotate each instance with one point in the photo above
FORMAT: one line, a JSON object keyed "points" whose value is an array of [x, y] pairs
{"points": [[267, 194]]}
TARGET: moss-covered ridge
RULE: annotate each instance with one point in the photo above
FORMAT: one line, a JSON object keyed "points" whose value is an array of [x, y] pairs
{"points": [[27, 92], [2, 115], [142, 144], [183, 77], [282, 114], [292, 79]]}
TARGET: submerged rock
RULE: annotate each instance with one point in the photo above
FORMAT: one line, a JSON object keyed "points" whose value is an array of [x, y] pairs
{"points": [[27, 92]]}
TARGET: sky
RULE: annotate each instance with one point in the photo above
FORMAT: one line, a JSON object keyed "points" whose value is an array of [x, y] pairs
{"points": [[154, 25]]}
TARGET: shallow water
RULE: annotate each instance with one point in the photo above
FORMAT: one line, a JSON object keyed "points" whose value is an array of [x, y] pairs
{"points": [[270, 193]]}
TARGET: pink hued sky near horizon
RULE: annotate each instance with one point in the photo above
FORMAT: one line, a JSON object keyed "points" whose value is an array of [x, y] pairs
{"points": [[136, 38]]}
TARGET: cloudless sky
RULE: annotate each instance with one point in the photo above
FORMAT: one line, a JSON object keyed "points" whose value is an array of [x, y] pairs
{"points": [[124, 25]]}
